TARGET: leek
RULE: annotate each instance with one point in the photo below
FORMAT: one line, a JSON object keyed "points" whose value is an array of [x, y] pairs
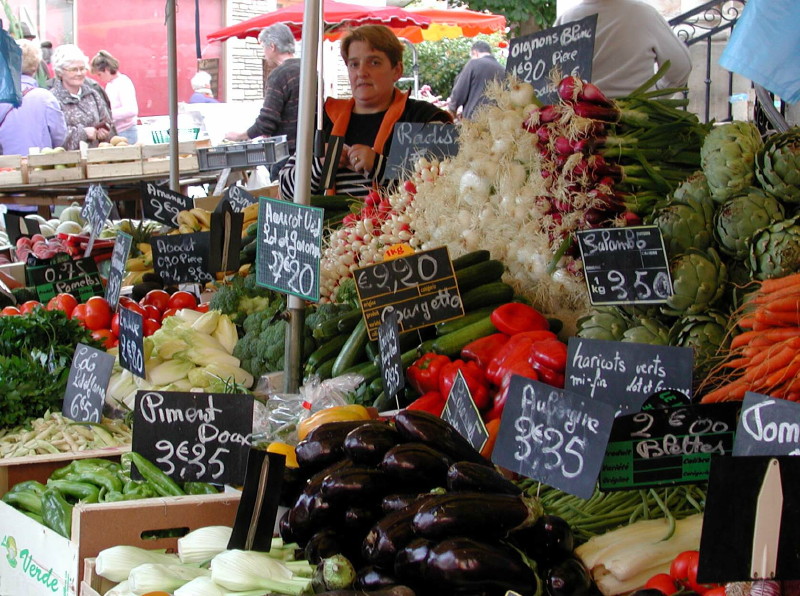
{"points": [[203, 544], [151, 577], [248, 570], [115, 563]]}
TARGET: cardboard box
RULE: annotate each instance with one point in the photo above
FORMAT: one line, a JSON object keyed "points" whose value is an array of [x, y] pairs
{"points": [[42, 167], [38, 561], [112, 162], [17, 175]]}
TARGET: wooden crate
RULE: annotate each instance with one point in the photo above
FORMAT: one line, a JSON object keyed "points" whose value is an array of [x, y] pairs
{"points": [[155, 158], [42, 167], [15, 176], [111, 162]]}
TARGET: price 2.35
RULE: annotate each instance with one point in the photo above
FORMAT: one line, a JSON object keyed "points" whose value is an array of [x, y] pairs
{"points": [[188, 460]]}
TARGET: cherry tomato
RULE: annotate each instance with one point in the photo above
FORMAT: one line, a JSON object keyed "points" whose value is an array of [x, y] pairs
{"points": [[181, 299], [662, 582], [150, 326], [168, 313], [126, 301], [98, 313], [157, 298], [10, 311], [79, 314], [115, 324], [28, 306], [105, 337], [151, 312], [63, 302]]}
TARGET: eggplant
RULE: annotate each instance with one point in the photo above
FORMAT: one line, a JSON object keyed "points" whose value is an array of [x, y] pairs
{"points": [[397, 501], [356, 485], [569, 578], [469, 476], [311, 511], [416, 465], [393, 591], [294, 479], [467, 566], [385, 539], [423, 427], [371, 578], [323, 544], [409, 564], [285, 528], [325, 444], [549, 541], [475, 515], [368, 443], [360, 519]]}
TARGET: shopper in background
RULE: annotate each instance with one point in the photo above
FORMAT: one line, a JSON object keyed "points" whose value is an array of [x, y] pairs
{"points": [[38, 121], [121, 93], [631, 40], [278, 115], [42, 73], [469, 90], [85, 111], [201, 88], [374, 59], [47, 53]]}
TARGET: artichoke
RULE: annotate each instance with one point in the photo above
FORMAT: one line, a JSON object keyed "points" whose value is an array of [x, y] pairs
{"points": [[775, 250], [728, 158], [707, 334], [698, 281], [742, 216], [778, 165], [647, 330], [604, 323], [686, 225], [695, 187]]}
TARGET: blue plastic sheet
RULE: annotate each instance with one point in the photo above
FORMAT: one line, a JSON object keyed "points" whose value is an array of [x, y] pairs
{"points": [[765, 47], [10, 70]]}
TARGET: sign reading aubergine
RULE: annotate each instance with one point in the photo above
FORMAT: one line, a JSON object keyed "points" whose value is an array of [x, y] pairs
{"points": [[567, 48]]}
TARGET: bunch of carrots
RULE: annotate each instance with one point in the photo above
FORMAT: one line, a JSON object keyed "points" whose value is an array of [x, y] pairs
{"points": [[765, 356]]}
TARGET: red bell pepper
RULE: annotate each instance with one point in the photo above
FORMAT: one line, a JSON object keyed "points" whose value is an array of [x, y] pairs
{"points": [[473, 376], [432, 402], [549, 376], [516, 317], [517, 346], [483, 349], [423, 374], [551, 353]]}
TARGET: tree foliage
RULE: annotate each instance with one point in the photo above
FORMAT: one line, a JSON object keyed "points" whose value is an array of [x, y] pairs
{"points": [[540, 12]]}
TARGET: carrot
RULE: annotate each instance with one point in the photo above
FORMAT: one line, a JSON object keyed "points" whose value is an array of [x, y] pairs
{"points": [[778, 283], [788, 372], [744, 339], [733, 391], [764, 299], [737, 363], [772, 336], [786, 304], [776, 361], [777, 318], [746, 322]]}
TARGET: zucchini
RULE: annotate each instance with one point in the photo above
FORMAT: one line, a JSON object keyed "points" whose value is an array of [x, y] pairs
{"points": [[324, 370], [326, 351], [373, 352], [479, 274], [335, 202], [467, 319], [330, 327], [496, 292], [471, 258], [452, 343], [353, 349]]}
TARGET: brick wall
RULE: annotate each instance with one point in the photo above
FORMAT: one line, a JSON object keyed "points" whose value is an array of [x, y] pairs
{"points": [[244, 57]]}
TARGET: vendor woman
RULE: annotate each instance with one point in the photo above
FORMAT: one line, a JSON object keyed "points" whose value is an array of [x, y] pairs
{"points": [[374, 59]]}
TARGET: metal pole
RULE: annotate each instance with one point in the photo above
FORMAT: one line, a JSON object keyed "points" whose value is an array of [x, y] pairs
{"points": [[172, 77], [305, 145]]}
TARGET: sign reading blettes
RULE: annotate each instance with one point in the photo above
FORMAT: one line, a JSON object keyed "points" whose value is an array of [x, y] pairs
{"points": [[87, 383], [289, 247], [413, 140], [554, 436], [568, 48]]}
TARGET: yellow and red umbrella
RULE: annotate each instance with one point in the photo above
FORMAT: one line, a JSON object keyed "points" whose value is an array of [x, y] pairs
{"points": [[451, 23]]}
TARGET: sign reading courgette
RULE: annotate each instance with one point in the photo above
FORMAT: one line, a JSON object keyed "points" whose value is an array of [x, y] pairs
{"points": [[421, 288]]}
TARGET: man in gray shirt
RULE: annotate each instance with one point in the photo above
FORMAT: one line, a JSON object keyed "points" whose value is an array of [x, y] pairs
{"points": [[469, 89]]}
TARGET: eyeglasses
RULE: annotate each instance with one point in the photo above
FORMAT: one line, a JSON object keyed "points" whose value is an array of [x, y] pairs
{"points": [[76, 69]]}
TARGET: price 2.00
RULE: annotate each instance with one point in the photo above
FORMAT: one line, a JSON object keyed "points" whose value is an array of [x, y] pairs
{"points": [[188, 460]]}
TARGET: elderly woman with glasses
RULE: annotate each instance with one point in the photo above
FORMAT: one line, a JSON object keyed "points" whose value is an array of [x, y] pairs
{"points": [[85, 110]]}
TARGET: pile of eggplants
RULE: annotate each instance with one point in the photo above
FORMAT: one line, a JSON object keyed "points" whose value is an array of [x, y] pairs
{"points": [[417, 511]]}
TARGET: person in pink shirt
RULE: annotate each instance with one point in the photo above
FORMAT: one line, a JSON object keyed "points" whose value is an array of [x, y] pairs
{"points": [[121, 93]]}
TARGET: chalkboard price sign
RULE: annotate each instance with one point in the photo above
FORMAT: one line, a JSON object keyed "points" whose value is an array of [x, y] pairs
{"points": [[78, 277], [554, 436], [413, 140], [625, 374], [767, 426], [122, 247], [462, 413], [238, 198], [289, 248], [625, 265], [203, 437], [162, 204], [391, 365], [87, 383], [14, 226], [96, 209], [421, 288], [182, 258], [131, 341], [667, 446], [568, 48]]}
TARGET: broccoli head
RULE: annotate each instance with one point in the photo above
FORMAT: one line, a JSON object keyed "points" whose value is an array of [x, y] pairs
{"points": [[242, 297]]}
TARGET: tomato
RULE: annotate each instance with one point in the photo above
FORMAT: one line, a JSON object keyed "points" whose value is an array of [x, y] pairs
{"points": [[79, 314], [717, 591], [157, 298], [105, 337], [203, 307], [181, 299], [126, 301], [115, 324], [98, 313], [684, 571], [151, 312], [662, 582], [63, 302], [150, 326], [168, 313], [10, 311], [28, 306]]}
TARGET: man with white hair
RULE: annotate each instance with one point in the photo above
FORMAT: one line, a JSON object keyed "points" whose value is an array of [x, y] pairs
{"points": [[278, 115]]}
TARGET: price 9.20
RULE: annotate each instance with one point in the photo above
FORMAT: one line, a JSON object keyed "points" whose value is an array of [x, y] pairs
{"points": [[189, 460]]}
